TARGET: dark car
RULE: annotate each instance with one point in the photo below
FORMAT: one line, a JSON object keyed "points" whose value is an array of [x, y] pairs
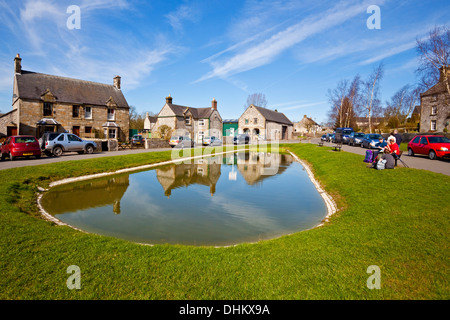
{"points": [[323, 138], [370, 140], [20, 146], [356, 138], [241, 138], [433, 146], [137, 139]]}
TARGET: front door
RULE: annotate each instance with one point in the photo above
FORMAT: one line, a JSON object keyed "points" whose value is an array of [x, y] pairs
{"points": [[11, 131], [76, 130]]}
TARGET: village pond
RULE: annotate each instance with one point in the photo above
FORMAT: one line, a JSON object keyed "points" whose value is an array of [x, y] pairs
{"points": [[215, 201]]}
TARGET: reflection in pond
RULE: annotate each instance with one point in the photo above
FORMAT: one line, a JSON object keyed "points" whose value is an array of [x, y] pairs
{"points": [[220, 200]]}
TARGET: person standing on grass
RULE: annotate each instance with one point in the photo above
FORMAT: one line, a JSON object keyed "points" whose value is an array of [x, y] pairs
{"points": [[398, 137]]}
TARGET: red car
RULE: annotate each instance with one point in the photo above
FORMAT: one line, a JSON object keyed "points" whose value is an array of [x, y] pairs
{"points": [[433, 146], [20, 146]]}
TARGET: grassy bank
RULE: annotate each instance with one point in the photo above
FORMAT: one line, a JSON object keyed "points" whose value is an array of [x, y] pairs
{"points": [[395, 219]]}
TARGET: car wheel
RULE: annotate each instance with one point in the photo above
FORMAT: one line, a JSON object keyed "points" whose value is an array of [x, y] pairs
{"points": [[11, 157], [57, 151], [432, 155], [89, 149], [410, 152]]}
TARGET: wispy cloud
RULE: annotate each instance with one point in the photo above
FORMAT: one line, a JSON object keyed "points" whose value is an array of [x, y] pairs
{"points": [[182, 14], [266, 51]]}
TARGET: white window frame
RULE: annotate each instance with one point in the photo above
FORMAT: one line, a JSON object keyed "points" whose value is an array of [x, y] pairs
{"points": [[112, 130], [201, 122], [187, 121], [111, 114], [88, 114], [433, 125], [434, 110]]}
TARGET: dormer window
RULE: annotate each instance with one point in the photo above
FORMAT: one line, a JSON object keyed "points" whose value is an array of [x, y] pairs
{"points": [[187, 121]]}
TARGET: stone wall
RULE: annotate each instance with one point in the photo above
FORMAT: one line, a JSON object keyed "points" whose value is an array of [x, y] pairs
{"points": [[442, 116], [7, 119]]}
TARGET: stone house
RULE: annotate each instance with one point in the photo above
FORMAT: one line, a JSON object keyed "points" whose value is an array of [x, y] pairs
{"points": [[43, 103], [188, 121], [306, 125], [435, 107], [265, 124]]}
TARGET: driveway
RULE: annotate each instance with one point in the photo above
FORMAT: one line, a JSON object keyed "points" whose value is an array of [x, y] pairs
{"points": [[417, 162]]}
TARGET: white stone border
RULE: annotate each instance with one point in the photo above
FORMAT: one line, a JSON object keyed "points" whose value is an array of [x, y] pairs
{"points": [[331, 206], [329, 202]]}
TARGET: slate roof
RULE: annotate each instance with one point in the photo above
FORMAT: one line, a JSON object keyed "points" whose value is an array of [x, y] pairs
{"points": [[273, 116], [440, 87], [197, 113], [32, 85]]}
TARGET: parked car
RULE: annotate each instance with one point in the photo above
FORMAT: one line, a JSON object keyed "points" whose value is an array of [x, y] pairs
{"points": [[332, 137], [342, 135], [356, 138], [241, 138], [137, 139], [181, 142], [54, 144], [433, 146], [211, 141], [323, 138], [20, 146], [371, 138]]}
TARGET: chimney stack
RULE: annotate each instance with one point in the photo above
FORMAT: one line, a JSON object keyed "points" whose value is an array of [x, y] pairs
{"points": [[441, 75], [18, 64], [117, 82], [169, 99], [214, 104]]}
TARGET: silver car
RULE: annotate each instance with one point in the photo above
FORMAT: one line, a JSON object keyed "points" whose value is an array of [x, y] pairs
{"points": [[55, 144]]}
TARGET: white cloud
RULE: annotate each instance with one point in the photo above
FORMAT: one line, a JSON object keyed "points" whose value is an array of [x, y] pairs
{"points": [[181, 14], [267, 50]]}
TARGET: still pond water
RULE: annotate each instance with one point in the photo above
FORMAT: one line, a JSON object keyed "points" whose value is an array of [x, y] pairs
{"points": [[221, 200]]}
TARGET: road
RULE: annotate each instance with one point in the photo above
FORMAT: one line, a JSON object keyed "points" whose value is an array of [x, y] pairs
{"points": [[417, 162]]}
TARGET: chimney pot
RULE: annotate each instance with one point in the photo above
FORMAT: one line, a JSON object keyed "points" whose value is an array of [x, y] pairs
{"points": [[117, 82], [214, 104], [169, 99]]}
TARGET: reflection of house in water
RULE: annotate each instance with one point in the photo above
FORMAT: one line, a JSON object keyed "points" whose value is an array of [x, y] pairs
{"points": [[97, 193], [257, 166], [204, 172]]}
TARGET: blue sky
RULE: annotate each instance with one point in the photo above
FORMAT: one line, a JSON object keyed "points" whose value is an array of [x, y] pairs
{"points": [[292, 51]]}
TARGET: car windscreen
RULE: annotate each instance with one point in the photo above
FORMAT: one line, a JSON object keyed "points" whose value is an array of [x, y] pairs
{"points": [[438, 140], [348, 132], [24, 139], [374, 136], [359, 135]]}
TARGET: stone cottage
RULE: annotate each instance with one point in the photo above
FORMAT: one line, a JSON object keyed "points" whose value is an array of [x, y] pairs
{"points": [[306, 125], [43, 103], [265, 124], [435, 107], [188, 121]]}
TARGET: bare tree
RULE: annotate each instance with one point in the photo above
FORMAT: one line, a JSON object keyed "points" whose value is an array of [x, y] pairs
{"points": [[344, 100], [257, 99], [370, 93], [434, 57]]}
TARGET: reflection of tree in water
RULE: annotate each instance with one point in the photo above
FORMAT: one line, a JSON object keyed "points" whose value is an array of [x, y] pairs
{"points": [[92, 194], [204, 172]]}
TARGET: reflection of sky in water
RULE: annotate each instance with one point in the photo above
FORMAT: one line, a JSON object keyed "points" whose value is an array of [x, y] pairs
{"points": [[194, 204]]}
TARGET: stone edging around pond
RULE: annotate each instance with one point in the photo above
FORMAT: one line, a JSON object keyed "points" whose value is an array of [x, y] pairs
{"points": [[331, 207]]}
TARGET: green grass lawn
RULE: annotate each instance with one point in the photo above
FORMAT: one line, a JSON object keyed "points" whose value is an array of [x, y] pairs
{"points": [[395, 219]]}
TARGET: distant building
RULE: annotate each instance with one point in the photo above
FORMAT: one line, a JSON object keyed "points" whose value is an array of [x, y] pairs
{"points": [[149, 122], [363, 122], [194, 122], [306, 125], [43, 103], [262, 123], [435, 107], [230, 129]]}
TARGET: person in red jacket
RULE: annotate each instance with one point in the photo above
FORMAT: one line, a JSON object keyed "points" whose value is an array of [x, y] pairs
{"points": [[392, 148]]}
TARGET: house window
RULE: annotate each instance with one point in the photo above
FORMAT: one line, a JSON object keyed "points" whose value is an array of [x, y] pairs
{"points": [[435, 97], [255, 120], [201, 135], [246, 121], [187, 121], [88, 112], [110, 115], [75, 111], [433, 110], [48, 109], [87, 130], [112, 133], [201, 122], [433, 125]]}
